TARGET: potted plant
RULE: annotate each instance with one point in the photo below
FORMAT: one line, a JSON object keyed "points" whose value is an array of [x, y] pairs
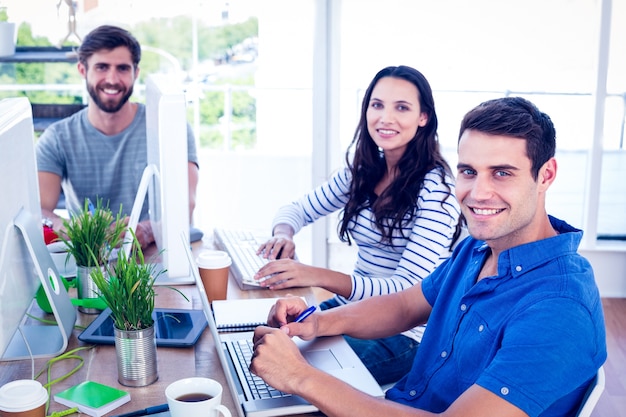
{"points": [[127, 288], [7, 33], [90, 237]]}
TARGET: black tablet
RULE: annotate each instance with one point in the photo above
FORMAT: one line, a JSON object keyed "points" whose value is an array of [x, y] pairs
{"points": [[173, 327]]}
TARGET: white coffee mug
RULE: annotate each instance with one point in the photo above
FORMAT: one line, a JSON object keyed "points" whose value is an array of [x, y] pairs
{"points": [[66, 264], [195, 396]]}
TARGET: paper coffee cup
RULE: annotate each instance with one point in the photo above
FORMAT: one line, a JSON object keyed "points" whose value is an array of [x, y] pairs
{"points": [[195, 396], [23, 398], [213, 267]]}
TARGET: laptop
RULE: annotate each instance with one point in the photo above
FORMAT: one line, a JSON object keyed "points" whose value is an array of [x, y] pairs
{"points": [[331, 354]]}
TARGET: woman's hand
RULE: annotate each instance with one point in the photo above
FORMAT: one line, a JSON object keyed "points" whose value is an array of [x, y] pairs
{"points": [[287, 273], [280, 245]]}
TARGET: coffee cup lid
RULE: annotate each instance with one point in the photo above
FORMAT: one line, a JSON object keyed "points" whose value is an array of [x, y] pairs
{"points": [[213, 259], [22, 395]]}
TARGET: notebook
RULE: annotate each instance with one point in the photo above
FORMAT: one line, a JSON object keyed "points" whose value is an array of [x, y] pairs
{"points": [[92, 398], [241, 315], [331, 354]]}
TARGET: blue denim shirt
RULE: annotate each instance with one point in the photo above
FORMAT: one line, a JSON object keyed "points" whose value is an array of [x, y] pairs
{"points": [[534, 334]]}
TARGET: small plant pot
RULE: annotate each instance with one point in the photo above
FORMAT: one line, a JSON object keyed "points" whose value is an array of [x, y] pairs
{"points": [[86, 288], [136, 357]]}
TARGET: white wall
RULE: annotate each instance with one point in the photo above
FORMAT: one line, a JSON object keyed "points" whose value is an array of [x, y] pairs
{"points": [[609, 266]]}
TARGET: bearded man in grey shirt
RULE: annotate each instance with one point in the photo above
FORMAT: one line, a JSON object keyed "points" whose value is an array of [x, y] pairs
{"points": [[100, 152]]}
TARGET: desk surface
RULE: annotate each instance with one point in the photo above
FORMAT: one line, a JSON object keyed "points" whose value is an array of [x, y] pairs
{"points": [[173, 363]]}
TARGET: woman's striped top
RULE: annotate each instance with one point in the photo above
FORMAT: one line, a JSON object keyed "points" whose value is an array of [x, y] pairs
{"points": [[383, 268]]}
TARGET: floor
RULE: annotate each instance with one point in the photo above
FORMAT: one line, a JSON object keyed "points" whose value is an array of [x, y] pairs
{"points": [[612, 403]]}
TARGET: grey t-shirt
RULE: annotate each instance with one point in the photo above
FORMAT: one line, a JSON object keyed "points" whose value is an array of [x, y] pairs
{"points": [[93, 165]]}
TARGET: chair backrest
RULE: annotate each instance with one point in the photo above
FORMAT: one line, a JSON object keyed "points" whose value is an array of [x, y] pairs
{"points": [[592, 395]]}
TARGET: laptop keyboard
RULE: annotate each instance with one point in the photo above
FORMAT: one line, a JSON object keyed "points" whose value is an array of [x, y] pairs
{"points": [[241, 245], [259, 389]]}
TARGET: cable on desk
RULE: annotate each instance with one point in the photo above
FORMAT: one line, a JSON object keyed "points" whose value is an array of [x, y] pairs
{"points": [[44, 321], [64, 412], [53, 322], [48, 369], [30, 353]]}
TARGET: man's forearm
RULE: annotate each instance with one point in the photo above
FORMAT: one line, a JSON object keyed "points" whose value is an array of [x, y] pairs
{"points": [[372, 318], [338, 399]]}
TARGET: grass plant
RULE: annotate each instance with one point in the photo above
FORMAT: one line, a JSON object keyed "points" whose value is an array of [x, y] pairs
{"points": [[93, 231], [127, 287]]}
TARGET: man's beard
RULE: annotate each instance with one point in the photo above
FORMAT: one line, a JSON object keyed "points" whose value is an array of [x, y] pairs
{"points": [[109, 107]]}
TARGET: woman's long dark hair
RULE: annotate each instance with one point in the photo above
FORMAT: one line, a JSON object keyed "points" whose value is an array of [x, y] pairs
{"points": [[396, 204]]}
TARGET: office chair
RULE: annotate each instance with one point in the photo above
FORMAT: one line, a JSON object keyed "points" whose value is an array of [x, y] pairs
{"points": [[592, 395]]}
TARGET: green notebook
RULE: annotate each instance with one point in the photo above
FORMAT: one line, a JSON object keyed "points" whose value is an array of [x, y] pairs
{"points": [[92, 398]]}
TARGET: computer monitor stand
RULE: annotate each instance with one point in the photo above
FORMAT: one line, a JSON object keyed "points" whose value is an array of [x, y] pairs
{"points": [[174, 271], [43, 340]]}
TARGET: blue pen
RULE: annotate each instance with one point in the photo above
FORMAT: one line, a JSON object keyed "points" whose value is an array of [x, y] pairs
{"points": [[146, 411], [306, 313], [92, 209]]}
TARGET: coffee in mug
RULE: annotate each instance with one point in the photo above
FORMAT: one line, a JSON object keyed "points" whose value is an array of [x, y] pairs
{"points": [[195, 396]]}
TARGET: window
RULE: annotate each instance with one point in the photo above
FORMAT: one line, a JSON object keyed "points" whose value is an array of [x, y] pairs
{"points": [[482, 49], [253, 102]]}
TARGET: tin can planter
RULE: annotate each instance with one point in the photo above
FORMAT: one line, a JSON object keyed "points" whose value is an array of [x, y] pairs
{"points": [[135, 351], [86, 288]]}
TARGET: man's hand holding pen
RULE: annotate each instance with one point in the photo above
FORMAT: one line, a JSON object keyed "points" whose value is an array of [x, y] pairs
{"points": [[289, 315]]}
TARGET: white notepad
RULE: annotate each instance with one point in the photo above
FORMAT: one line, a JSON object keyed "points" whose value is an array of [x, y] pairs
{"points": [[241, 314]]}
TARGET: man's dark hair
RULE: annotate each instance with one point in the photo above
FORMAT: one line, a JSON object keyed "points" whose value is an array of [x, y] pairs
{"points": [[519, 118], [108, 37]]}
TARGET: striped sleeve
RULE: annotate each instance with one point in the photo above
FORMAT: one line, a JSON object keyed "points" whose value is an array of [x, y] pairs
{"points": [[384, 269], [323, 200]]}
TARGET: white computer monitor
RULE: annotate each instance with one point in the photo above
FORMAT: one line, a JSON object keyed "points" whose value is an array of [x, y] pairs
{"points": [[166, 177], [25, 262]]}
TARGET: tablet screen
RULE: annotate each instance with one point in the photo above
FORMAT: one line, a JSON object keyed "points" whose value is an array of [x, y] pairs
{"points": [[173, 327]]}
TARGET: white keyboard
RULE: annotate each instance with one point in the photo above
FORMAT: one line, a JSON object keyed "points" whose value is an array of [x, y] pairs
{"points": [[242, 245]]}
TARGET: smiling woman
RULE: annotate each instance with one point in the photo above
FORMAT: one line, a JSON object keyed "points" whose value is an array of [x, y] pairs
{"points": [[395, 199], [393, 117]]}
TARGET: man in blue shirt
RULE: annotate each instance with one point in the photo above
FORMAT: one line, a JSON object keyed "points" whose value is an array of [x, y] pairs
{"points": [[515, 322]]}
